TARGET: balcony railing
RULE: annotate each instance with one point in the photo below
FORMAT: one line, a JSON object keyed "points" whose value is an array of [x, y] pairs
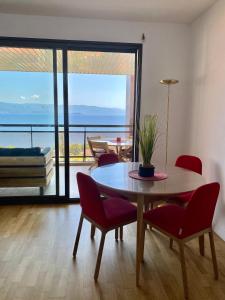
{"points": [[34, 135]]}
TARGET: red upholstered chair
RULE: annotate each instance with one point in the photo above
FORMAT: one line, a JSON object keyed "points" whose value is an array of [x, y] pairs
{"points": [[106, 215], [185, 223], [192, 163], [108, 158], [189, 162]]}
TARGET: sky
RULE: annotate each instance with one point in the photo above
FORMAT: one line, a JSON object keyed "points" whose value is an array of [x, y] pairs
{"points": [[85, 89]]}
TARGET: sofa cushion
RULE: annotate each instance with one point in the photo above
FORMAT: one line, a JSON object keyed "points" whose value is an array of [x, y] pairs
{"points": [[35, 151]]}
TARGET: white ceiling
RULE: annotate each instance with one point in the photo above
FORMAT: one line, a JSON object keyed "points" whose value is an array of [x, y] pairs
{"points": [[179, 11]]}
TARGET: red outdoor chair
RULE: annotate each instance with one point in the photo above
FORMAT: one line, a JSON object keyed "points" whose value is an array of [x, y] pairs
{"points": [[106, 215], [185, 223]]}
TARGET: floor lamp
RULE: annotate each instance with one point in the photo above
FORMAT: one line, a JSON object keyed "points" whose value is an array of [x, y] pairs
{"points": [[168, 83]]}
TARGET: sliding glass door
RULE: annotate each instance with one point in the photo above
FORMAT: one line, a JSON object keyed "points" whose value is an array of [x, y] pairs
{"points": [[101, 88], [53, 96]]}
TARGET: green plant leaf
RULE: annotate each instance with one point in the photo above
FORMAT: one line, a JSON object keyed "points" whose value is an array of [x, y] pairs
{"points": [[148, 135]]}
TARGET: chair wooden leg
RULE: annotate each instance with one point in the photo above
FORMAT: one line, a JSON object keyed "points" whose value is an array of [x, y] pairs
{"points": [[94, 164], [98, 263], [143, 242], [116, 234], [78, 235], [146, 205], [92, 231], [212, 246], [91, 166], [183, 268], [201, 245], [121, 233], [151, 206], [171, 243]]}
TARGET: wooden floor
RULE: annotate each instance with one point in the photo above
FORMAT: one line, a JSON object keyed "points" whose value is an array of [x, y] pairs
{"points": [[36, 244]]}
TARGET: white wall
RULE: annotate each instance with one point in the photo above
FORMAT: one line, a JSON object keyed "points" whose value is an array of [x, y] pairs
{"points": [[166, 54], [207, 117]]}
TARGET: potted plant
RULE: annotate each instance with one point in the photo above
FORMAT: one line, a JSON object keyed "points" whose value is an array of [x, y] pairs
{"points": [[148, 135]]}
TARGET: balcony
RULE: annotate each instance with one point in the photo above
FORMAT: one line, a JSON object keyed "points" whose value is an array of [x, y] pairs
{"points": [[43, 135]]}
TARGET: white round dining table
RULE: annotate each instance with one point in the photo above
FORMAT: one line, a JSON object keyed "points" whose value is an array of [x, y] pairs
{"points": [[115, 177]]}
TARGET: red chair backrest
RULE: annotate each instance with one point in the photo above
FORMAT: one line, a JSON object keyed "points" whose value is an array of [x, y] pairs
{"points": [[90, 200], [200, 210], [108, 158], [189, 162]]}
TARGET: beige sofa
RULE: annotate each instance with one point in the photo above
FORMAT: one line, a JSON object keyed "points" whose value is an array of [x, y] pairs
{"points": [[33, 169]]}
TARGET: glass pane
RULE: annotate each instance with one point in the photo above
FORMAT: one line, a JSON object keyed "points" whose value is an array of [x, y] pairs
{"points": [[101, 103], [27, 121]]}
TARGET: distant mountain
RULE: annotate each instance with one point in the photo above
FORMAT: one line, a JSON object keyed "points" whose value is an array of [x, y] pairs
{"points": [[24, 108], [94, 110], [33, 108]]}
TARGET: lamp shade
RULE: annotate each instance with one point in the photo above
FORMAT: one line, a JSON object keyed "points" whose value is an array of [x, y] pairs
{"points": [[169, 81]]}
